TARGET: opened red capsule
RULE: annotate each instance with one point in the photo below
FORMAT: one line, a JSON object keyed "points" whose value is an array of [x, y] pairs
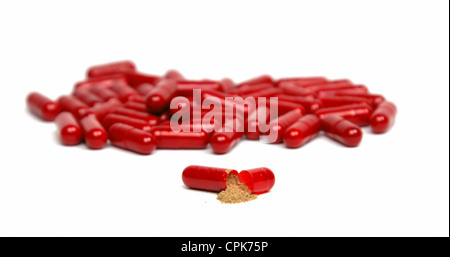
{"points": [[259, 180], [42, 106], [69, 130], [130, 138], [206, 178]]}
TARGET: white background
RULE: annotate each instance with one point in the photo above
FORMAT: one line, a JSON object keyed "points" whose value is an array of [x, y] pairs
{"points": [[396, 184]]}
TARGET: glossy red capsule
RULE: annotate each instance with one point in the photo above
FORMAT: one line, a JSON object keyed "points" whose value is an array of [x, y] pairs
{"points": [[124, 92], [285, 107], [166, 115], [227, 84], [113, 118], [150, 119], [174, 74], [144, 89], [94, 134], [269, 92], [249, 89], [311, 104], [375, 99], [140, 107], [103, 92], [328, 84], [333, 101], [159, 98], [357, 89], [137, 78], [69, 130], [166, 138], [137, 99], [86, 96], [110, 68], [102, 109], [302, 131], [73, 105], [131, 138], [302, 81], [383, 117], [342, 130], [259, 180], [42, 106], [358, 114], [186, 87], [279, 126], [206, 178], [291, 89], [257, 80], [255, 121], [103, 81], [227, 137]]}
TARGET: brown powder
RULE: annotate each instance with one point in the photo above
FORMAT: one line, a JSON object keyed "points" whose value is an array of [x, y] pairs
{"points": [[236, 192]]}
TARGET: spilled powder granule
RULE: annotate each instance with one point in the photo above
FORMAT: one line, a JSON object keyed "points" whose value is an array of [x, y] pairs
{"points": [[236, 192]]}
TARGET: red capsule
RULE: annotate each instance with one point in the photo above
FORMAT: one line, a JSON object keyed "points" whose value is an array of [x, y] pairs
{"points": [[311, 104], [285, 107], [166, 115], [259, 180], [333, 101], [131, 138], [137, 99], [329, 84], [186, 87], [383, 117], [269, 92], [255, 122], [278, 126], [102, 109], [103, 81], [68, 128], [87, 96], [144, 89], [166, 138], [359, 114], [342, 130], [302, 131], [140, 107], [110, 68], [291, 89], [42, 106], [113, 118], [249, 89], [257, 80], [137, 78], [103, 92], [374, 99], [94, 134], [124, 92], [151, 119], [73, 105], [358, 89], [174, 74], [302, 81], [227, 84], [227, 137], [206, 178], [159, 98]]}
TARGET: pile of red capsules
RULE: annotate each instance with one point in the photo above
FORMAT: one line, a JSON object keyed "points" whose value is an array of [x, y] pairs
{"points": [[131, 110]]}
